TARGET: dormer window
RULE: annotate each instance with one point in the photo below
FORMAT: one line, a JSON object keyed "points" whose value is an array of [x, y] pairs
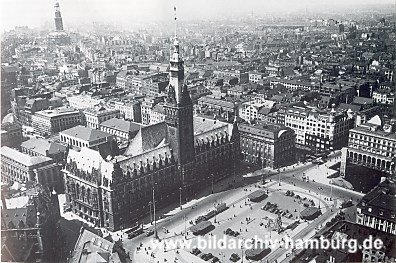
{"points": [[381, 212], [369, 209]]}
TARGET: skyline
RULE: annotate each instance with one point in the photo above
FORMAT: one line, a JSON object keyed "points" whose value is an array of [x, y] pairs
{"points": [[124, 12]]}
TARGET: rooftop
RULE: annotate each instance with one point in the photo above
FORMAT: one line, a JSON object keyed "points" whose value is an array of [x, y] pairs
{"points": [[92, 248], [367, 129], [23, 158], [85, 133], [203, 125], [266, 130], [41, 146], [57, 112], [122, 125], [379, 199]]}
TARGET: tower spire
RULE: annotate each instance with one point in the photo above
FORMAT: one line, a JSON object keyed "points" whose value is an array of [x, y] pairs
{"points": [[174, 10]]}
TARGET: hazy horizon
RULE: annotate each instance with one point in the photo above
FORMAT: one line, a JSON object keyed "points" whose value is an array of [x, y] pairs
{"points": [[37, 13]]}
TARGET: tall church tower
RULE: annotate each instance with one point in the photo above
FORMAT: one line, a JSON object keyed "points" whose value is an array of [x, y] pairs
{"points": [[179, 115], [58, 18]]}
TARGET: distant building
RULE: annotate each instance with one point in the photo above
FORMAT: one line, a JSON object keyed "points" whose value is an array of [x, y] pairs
{"points": [[157, 114], [251, 110], [148, 105], [227, 109], [8, 84], [255, 76], [11, 134], [50, 122], [82, 102], [24, 108], [376, 209], [95, 116], [20, 167], [385, 98], [129, 110], [59, 36], [267, 145], [293, 85]]}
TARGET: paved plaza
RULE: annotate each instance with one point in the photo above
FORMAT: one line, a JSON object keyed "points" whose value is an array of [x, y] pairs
{"points": [[243, 216]]}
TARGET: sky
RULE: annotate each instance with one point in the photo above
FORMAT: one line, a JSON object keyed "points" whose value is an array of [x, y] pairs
{"points": [[35, 13]]}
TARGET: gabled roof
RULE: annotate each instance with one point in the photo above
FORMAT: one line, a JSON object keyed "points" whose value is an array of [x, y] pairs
{"points": [[85, 133], [122, 125], [24, 217], [92, 248], [148, 137], [40, 146]]}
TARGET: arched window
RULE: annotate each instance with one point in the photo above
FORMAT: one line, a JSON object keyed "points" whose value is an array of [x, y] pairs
{"points": [[78, 191], [89, 195], [83, 193]]}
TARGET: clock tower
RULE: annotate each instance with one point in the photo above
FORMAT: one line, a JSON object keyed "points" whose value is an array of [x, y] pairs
{"points": [[179, 116]]}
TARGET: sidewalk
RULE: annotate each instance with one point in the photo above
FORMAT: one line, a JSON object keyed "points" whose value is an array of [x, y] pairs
{"points": [[270, 171], [320, 174]]}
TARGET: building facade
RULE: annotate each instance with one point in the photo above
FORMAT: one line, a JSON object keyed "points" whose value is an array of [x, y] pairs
{"points": [[95, 116], [267, 145], [81, 136], [319, 130], [123, 130], [375, 210], [251, 110], [11, 134], [371, 147], [50, 122], [20, 167], [129, 110]]}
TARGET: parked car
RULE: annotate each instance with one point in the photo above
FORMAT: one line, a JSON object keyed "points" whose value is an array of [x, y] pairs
{"points": [[149, 233], [206, 257], [235, 257], [346, 204], [196, 251], [236, 233]]}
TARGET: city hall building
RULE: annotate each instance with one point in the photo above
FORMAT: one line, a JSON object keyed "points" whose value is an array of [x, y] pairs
{"points": [[162, 161]]}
